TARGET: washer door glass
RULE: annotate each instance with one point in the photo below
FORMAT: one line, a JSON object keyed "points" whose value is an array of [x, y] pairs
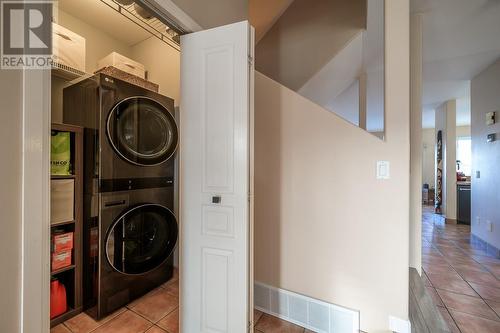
{"points": [[142, 131], [141, 239]]}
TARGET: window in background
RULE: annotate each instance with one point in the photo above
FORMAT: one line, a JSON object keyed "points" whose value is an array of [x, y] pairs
{"points": [[464, 154]]}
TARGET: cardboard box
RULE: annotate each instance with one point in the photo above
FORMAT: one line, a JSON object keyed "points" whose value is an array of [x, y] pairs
{"points": [[62, 242], [68, 48], [61, 260], [123, 63], [62, 199]]}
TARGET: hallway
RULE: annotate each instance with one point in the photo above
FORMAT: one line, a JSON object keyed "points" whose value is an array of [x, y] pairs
{"points": [[462, 279]]}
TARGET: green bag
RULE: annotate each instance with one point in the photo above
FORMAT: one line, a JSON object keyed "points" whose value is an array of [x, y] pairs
{"points": [[60, 153]]}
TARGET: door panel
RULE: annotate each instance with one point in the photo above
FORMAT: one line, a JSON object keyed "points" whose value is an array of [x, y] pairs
{"points": [[216, 269], [214, 179], [219, 119]]}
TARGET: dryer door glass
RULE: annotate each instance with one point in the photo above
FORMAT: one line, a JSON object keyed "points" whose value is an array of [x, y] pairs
{"points": [[141, 239], [142, 131]]}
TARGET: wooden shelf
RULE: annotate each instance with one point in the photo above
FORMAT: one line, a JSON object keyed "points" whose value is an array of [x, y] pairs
{"points": [[60, 224], [62, 270], [71, 276], [65, 72], [62, 176], [65, 316]]}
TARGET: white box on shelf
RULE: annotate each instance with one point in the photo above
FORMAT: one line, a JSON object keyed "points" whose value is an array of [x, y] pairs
{"points": [[68, 48], [62, 200], [123, 63]]}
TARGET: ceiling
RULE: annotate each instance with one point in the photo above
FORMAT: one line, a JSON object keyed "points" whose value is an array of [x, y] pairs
{"points": [[213, 13], [460, 39], [101, 16], [264, 13]]}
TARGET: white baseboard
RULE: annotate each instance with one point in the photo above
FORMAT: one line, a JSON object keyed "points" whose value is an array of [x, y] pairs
{"points": [[307, 312], [398, 325]]}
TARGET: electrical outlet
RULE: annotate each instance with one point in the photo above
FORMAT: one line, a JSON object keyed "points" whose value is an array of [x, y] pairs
{"points": [[478, 221], [489, 226]]}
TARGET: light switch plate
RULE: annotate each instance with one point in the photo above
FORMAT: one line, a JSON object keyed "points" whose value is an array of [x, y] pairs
{"points": [[383, 170], [489, 226]]}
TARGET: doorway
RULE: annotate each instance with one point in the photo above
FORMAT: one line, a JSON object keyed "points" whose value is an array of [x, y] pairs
{"points": [[113, 202], [457, 256]]}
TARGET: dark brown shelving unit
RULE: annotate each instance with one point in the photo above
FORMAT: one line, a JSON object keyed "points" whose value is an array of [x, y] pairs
{"points": [[71, 276], [60, 224], [62, 270], [63, 177]]}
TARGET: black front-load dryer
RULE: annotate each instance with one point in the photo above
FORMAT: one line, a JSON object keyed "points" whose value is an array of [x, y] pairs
{"points": [[137, 235], [130, 131], [129, 229]]}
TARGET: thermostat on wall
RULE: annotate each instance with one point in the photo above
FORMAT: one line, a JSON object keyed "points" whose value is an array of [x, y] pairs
{"points": [[490, 118]]}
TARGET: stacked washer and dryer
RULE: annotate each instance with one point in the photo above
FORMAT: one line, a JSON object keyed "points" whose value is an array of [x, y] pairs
{"points": [[130, 229]]}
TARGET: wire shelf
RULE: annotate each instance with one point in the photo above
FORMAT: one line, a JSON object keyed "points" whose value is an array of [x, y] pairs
{"points": [[151, 24]]}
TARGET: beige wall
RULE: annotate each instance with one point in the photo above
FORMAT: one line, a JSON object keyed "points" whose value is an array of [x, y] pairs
{"points": [[10, 199], [463, 131], [324, 225], [429, 152], [161, 61], [306, 37], [446, 121], [416, 71], [485, 156], [450, 151], [429, 156], [98, 43], [163, 64]]}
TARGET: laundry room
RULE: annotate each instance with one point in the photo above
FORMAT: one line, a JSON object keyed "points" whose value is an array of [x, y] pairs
{"points": [[114, 233]]}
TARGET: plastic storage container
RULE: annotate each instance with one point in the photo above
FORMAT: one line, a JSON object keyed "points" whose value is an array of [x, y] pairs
{"points": [[58, 302]]}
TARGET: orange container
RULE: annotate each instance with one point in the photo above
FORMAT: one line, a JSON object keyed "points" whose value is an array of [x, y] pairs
{"points": [[62, 242], [61, 259], [58, 304]]}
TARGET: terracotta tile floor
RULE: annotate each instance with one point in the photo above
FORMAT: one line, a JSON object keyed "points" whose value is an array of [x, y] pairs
{"points": [[265, 323], [463, 280], [157, 312]]}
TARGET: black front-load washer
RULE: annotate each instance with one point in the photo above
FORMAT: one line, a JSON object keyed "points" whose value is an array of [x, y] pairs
{"points": [[137, 235], [130, 230]]}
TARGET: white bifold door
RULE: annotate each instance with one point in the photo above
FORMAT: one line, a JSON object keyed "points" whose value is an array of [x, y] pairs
{"points": [[215, 179]]}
